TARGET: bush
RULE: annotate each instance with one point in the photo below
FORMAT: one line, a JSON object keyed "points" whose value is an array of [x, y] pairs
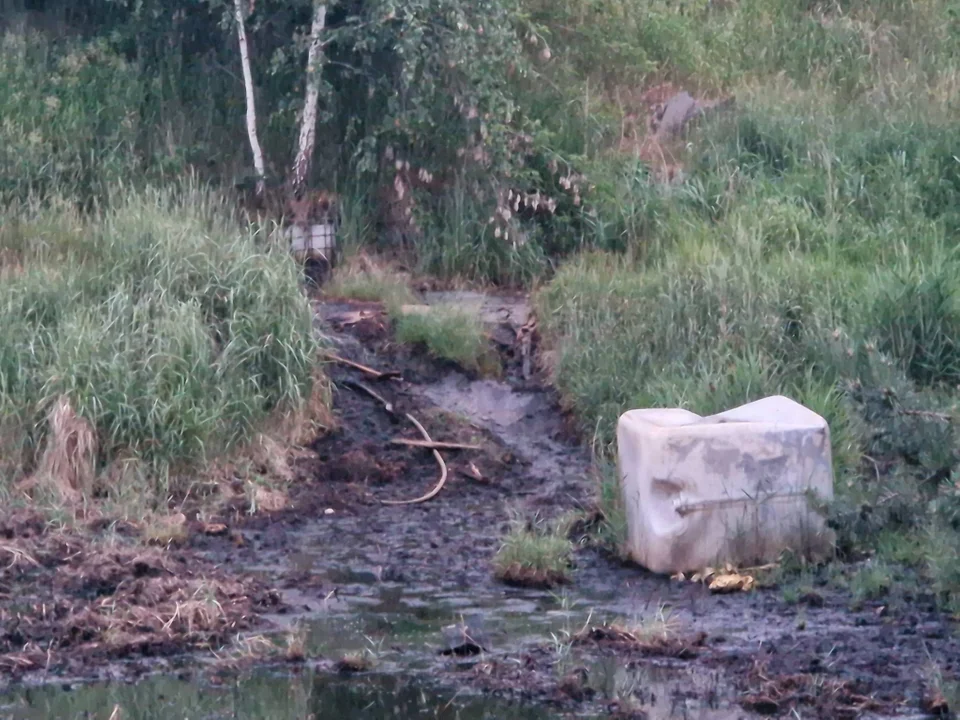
{"points": [[70, 118], [171, 333]]}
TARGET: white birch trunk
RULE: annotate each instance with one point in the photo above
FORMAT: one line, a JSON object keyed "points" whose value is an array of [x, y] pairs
{"points": [[251, 105], [308, 123]]}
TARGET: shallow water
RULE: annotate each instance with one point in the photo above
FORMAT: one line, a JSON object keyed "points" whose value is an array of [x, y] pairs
{"points": [[264, 696]]}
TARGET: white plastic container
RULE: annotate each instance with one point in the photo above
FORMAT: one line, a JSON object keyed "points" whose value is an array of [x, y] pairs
{"points": [[733, 487], [314, 240]]}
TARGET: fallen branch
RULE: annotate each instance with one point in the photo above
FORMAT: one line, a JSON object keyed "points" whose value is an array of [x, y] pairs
{"points": [[931, 414], [375, 374], [433, 444], [371, 392], [443, 470], [426, 436], [473, 472]]}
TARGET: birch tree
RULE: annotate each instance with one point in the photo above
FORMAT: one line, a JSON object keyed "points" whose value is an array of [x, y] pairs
{"points": [[308, 123], [251, 103]]}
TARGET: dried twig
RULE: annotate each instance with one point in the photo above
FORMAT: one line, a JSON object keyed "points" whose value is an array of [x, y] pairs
{"points": [[375, 374], [426, 436], [434, 445], [17, 555], [473, 472], [443, 470], [930, 414], [372, 393]]}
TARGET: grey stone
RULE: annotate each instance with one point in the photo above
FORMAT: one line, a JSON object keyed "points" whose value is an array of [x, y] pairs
{"points": [[678, 111]]}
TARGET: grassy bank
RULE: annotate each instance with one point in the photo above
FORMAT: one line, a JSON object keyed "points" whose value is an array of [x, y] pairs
{"points": [[140, 343], [810, 252]]}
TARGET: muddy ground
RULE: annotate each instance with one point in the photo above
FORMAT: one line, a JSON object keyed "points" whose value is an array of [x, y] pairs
{"points": [[365, 577]]}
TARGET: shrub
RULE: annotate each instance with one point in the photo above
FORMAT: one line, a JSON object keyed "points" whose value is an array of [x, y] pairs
{"points": [[174, 335], [70, 118]]}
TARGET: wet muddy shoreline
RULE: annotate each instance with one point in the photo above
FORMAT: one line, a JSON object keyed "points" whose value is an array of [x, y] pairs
{"points": [[356, 578]]}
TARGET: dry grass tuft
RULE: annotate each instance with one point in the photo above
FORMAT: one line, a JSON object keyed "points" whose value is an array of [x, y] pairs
{"points": [[18, 556], [296, 649], [164, 529], [314, 417], [68, 463], [199, 614], [11, 265], [272, 457], [657, 636], [263, 499], [355, 662], [363, 278], [256, 646]]}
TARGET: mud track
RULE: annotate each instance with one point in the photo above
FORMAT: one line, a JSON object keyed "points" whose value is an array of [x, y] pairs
{"points": [[354, 570]]}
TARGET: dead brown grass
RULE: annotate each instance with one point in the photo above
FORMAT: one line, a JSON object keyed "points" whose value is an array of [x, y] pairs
{"points": [[264, 499], [829, 697], [11, 264], [355, 662], [301, 427], [164, 529], [641, 111], [67, 466], [658, 637], [366, 278], [296, 649], [520, 575]]}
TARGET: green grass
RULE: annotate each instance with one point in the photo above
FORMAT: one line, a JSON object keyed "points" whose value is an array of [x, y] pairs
{"points": [[872, 582], [535, 554], [447, 333], [360, 278], [828, 276], [808, 251], [171, 333], [70, 123]]}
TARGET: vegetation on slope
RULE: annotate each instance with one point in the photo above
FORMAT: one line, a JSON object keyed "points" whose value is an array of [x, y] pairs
{"points": [[809, 250], [140, 342]]}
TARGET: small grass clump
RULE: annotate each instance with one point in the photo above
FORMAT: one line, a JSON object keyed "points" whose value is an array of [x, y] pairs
{"points": [[535, 555], [356, 662], [872, 581], [295, 650], [655, 631], [143, 341], [360, 277], [447, 333]]}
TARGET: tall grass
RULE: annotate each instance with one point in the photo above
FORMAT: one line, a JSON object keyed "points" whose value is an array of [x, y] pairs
{"points": [[809, 252], [71, 118], [176, 336]]}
